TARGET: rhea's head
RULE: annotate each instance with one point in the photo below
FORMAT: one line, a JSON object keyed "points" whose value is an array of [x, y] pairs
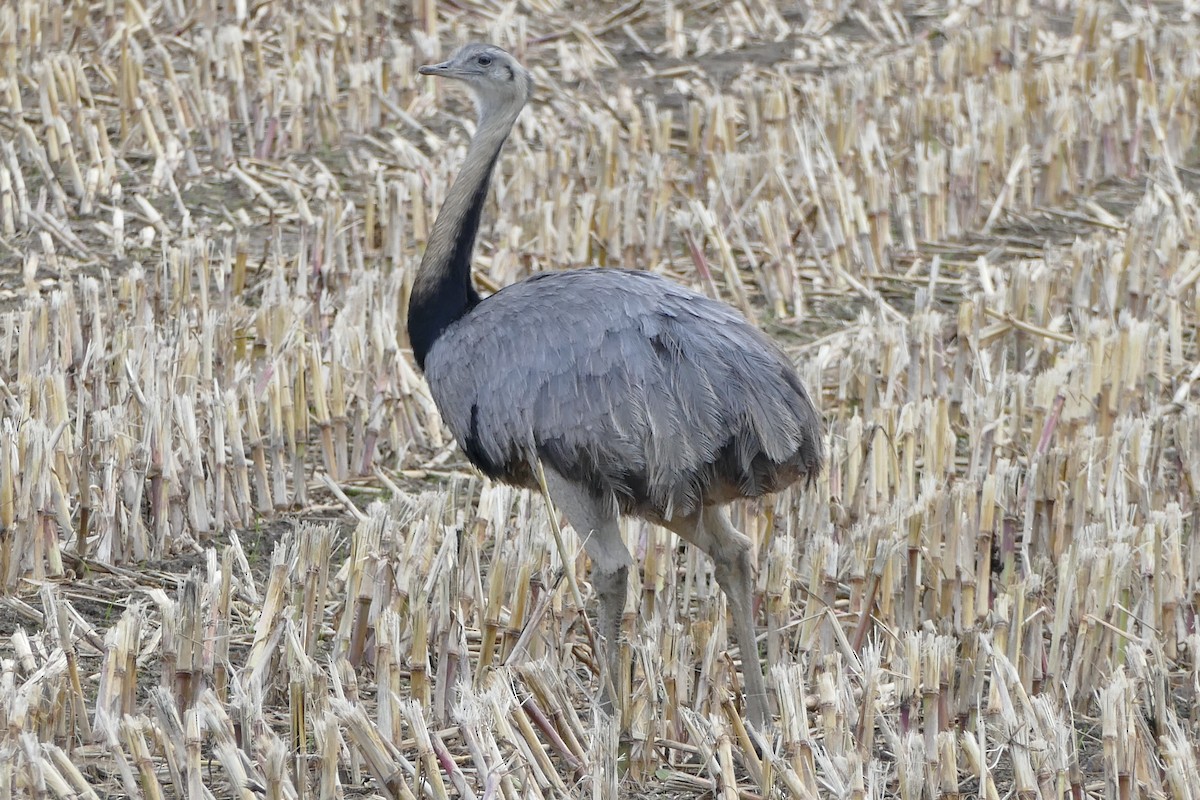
{"points": [[498, 83]]}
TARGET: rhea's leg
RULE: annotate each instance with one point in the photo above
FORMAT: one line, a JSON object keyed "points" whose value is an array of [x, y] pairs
{"points": [[596, 522], [729, 548]]}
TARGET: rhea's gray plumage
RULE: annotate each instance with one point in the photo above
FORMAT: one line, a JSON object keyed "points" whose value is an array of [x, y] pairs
{"points": [[636, 394], [661, 399]]}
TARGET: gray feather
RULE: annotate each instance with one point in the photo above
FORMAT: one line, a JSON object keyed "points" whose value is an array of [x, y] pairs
{"points": [[660, 398]]}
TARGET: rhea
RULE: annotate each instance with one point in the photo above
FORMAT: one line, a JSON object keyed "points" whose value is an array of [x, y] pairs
{"points": [[633, 394]]}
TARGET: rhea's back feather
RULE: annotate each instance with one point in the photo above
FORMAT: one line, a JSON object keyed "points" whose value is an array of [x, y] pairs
{"points": [[660, 399]]}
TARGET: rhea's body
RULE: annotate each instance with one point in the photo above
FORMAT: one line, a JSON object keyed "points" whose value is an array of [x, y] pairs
{"points": [[659, 398]]}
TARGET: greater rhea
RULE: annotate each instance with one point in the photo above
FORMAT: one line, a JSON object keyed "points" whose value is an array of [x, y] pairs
{"points": [[635, 395]]}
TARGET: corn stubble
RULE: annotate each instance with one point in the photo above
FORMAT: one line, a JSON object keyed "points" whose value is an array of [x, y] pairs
{"points": [[970, 225]]}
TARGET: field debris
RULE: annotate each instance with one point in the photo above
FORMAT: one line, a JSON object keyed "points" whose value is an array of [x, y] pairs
{"points": [[240, 557]]}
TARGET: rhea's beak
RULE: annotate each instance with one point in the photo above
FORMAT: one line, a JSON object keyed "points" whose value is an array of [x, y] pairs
{"points": [[445, 69]]}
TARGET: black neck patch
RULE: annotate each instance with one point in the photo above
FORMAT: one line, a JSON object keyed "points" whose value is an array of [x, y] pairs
{"points": [[450, 294]]}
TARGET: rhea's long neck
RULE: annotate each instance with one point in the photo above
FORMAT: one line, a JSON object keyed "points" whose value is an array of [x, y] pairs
{"points": [[442, 291]]}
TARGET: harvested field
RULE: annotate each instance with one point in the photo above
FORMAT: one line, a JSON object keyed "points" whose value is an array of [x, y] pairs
{"points": [[240, 557]]}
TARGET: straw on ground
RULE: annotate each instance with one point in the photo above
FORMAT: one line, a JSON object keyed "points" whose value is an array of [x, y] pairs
{"points": [[971, 223]]}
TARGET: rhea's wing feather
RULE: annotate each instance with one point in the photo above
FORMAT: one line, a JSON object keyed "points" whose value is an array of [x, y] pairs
{"points": [[624, 380]]}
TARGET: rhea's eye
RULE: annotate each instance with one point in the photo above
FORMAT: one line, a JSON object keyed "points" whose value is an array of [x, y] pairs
{"points": [[484, 61]]}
